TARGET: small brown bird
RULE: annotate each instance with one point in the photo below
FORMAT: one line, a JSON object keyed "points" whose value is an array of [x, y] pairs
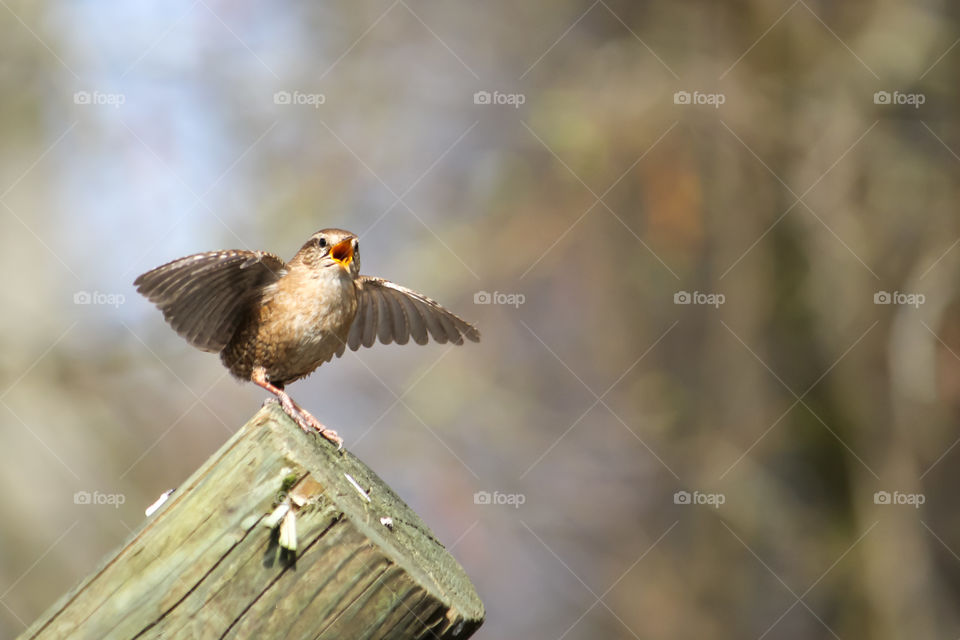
{"points": [[274, 323]]}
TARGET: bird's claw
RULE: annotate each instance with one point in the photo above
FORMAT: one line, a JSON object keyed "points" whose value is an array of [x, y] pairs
{"points": [[308, 423], [332, 436], [302, 417]]}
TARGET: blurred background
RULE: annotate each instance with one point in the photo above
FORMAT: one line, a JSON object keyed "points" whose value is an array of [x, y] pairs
{"points": [[712, 248]]}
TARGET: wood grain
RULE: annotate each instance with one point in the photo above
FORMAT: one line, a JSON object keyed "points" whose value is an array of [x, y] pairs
{"points": [[204, 566]]}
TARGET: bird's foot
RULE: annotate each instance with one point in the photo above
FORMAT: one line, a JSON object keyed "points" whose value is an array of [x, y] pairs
{"points": [[300, 415], [307, 422]]}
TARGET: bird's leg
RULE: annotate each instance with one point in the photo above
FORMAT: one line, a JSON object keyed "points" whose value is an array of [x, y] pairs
{"points": [[301, 416]]}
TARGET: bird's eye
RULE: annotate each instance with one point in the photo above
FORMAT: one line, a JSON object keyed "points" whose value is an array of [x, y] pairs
{"points": [[322, 242]]}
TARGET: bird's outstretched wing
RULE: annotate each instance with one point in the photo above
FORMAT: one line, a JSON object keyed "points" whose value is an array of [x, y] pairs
{"points": [[203, 296], [394, 314]]}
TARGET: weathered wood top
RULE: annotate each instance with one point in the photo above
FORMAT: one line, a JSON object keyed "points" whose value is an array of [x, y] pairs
{"points": [[204, 565]]}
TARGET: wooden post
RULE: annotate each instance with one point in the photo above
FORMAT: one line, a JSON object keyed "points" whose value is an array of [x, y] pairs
{"points": [[206, 566]]}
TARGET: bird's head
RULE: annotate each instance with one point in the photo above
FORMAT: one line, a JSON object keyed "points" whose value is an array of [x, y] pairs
{"points": [[332, 248]]}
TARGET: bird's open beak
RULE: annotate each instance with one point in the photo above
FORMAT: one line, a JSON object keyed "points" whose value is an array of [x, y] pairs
{"points": [[342, 252]]}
